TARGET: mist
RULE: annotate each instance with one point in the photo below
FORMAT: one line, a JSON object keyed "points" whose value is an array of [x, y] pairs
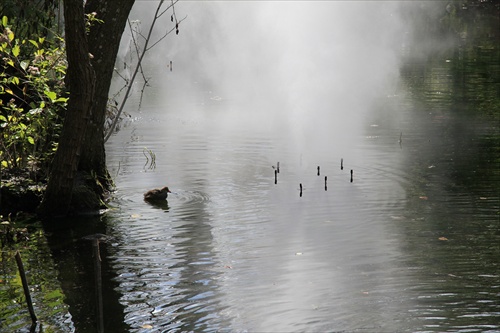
{"points": [[310, 69]]}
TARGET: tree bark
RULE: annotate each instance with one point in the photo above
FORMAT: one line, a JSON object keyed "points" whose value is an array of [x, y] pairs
{"points": [[81, 79], [104, 42]]}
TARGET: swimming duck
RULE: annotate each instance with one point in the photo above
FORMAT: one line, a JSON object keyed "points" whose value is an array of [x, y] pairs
{"points": [[157, 194]]}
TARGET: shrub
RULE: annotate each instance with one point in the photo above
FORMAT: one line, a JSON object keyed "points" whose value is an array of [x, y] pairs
{"points": [[32, 99]]}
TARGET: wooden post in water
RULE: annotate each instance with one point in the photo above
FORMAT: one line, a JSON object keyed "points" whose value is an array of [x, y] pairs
{"points": [[300, 185], [26, 288], [278, 167], [341, 164], [326, 186], [276, 176], [351, 175], [318, 170]]}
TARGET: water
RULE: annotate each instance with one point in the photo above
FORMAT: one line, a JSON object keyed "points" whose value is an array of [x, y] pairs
{"points": [[410, 245]]}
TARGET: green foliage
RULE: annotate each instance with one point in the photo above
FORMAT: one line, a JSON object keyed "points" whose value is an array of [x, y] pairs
{"points": [[28, 18], [32, 98]]}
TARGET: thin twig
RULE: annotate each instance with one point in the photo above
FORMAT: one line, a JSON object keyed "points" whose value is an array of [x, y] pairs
{"points": [[167, 33], [139, 62]]}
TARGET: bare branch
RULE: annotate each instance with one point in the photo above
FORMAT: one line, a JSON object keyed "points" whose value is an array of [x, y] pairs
{"points": [[167, 33], [169, 6], [139, 61]]}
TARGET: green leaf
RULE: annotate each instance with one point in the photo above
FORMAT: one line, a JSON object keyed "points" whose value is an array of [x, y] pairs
{"points": [[11, 36], [2, 118], [41, 40], [61, 99], [51, 95], [25, 64], [4, 163], [10, 62], [34, 43], [31, 140], [16, 50], [15, 80], [5, 21]]}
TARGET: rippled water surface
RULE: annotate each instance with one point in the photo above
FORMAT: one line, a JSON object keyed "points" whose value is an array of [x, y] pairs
{"points": [[411, 244]]}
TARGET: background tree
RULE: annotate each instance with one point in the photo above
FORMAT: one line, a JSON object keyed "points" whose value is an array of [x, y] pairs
{"points": [[104, 42], [81, 81], [79, 176]]}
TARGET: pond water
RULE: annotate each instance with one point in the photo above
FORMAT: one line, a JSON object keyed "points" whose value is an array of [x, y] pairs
{"points": [[411, 244]]}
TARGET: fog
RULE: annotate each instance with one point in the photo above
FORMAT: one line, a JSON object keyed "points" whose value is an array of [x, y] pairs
{"points": [[300, 67]]}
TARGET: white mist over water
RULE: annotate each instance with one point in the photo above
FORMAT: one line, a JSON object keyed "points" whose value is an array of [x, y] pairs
{"points": [[311, 69]]}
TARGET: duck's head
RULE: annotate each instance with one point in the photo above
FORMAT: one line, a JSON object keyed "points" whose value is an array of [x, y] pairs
{"points": [[165, 190]]}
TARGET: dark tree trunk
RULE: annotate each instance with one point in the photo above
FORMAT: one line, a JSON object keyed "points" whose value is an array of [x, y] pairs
{"points": [[79, 177], [81, 80], [104, 42]]}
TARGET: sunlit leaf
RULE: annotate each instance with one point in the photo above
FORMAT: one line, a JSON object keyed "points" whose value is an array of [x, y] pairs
{"points": [[15, 80], [10, 62], [24, 64], [9, 91], [34, 43], [16, 50], [61, 99], [5, 164], [31, 140], [41, 40], [50, 94], [5, 21], [35, 111]]}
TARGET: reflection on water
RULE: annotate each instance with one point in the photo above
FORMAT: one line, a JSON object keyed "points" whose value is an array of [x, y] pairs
{"points": [[410, 245], [45, 290]]}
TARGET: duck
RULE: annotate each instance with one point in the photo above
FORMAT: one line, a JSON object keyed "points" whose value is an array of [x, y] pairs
{"points": [[157, 194]]}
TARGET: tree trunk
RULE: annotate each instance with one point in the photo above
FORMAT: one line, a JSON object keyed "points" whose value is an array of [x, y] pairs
{"points": [[104, 42], [81, 79]]}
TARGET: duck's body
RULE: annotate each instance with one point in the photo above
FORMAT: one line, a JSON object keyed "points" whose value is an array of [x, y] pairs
{"points": [[157, 194]]}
